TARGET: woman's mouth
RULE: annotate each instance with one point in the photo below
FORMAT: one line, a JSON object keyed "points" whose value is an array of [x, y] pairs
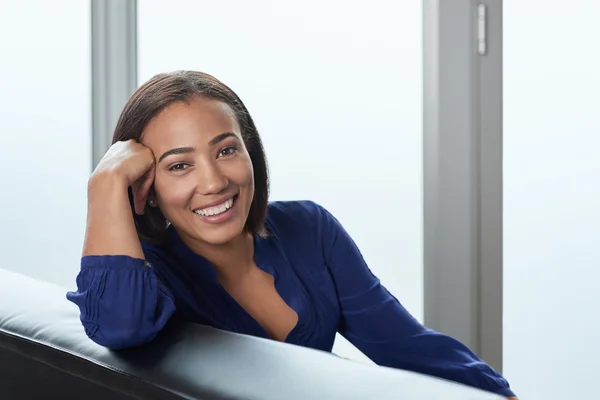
{"points": [[219, 213]]}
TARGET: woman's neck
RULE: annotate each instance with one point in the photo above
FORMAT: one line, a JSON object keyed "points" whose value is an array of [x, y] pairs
{"points": [[232, 260]]}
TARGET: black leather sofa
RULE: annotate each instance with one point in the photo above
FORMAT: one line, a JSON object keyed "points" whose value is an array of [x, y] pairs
{"points": [[44, 354]]}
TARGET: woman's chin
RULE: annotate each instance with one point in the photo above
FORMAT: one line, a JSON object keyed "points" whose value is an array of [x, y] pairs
{"points": [[217, 235], [221, 239]]}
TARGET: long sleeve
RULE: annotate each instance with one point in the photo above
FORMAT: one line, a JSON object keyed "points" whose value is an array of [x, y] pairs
{"points": [[122, 301], [377, 324]]}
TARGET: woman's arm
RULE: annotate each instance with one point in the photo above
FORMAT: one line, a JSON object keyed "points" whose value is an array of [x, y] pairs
{"points": [[377, 324], [110, 226], [121, 299]]}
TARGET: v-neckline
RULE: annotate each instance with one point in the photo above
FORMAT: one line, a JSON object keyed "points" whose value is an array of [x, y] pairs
{"points": [[256, 325], [261, 248]]}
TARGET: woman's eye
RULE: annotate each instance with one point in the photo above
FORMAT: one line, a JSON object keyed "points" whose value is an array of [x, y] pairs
{"points": [[227, 151], [178, 167]]}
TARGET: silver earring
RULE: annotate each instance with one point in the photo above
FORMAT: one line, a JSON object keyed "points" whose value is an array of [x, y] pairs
{"points": [[152, 203]]}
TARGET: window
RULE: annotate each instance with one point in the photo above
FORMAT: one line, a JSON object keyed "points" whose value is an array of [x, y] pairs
{"points": [[551, 198], [45, 114]]}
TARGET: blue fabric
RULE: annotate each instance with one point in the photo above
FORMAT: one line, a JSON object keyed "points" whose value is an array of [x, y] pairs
{"points": [[318, 271]]}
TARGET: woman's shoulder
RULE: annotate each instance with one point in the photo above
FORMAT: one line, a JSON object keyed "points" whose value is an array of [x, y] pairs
{"points": [[297, 217], [293, 211]]}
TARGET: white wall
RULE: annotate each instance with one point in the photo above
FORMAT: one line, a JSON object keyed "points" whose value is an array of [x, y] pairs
{"points": [[336, 91], [45, 136], [552, 198]]}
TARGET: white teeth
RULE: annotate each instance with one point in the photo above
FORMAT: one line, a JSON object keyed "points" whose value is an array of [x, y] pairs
{"points": [[216, 210]]}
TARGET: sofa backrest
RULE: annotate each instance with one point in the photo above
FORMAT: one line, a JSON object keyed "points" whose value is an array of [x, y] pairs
{"points": [[44, 353]]}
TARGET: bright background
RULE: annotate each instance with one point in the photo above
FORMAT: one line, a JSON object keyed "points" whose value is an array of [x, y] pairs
{"points": [[552, 198]]}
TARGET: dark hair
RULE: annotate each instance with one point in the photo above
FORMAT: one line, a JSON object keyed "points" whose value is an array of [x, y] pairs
{"points": [[179, 86]]}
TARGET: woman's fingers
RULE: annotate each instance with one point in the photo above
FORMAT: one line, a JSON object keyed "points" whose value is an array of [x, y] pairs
{"points": [[141, 189], [147, 182]]}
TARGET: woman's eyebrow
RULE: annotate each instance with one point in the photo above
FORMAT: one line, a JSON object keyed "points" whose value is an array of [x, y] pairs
{"points": [[221, 137], [184, 150], [178, 150]]}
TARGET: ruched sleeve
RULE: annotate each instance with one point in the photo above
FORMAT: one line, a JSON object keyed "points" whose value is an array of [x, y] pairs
{"points": [[122, 301]]}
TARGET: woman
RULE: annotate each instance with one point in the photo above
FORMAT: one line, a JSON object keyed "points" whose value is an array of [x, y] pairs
{"points": [[179, 223]]}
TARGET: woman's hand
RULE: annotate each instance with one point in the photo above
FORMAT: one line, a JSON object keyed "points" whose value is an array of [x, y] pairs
{"points": [[132, 164]]}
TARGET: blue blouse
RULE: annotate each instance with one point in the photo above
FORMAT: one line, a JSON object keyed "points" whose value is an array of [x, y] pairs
{"points": [[319, 272]]}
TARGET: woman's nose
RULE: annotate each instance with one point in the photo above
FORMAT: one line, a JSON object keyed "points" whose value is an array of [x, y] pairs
{"points": [[211, 179]]}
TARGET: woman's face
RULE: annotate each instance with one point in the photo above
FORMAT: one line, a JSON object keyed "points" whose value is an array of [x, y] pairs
{"points": [[204, 183]]}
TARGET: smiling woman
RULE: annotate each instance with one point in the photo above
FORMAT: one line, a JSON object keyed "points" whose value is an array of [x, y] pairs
{"points": [[179, 225]]}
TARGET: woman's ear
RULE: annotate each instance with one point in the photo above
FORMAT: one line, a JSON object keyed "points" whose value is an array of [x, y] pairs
{"points": [[152, 198]]}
